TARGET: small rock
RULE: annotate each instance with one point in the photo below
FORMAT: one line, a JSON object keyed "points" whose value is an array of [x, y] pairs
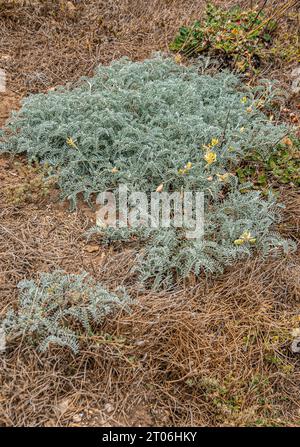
{"points": [[295, 346], [77, 418], [296, 80], [109, 408], [91, 248]]}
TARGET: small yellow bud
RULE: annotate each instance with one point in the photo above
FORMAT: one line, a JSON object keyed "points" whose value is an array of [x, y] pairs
{"points": [[223, 177], [246, 236], [238, 242], [214, 142], [70, 142], [178, 59]]}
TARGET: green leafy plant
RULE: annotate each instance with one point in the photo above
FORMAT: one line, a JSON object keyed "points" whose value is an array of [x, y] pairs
{"points": [[237, 35], [54, 309], [282, 167]]}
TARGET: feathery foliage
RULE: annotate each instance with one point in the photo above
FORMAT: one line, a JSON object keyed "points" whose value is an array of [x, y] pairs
{"points": [[156, 122], [140, 123], [234, 229], [51, 310]]}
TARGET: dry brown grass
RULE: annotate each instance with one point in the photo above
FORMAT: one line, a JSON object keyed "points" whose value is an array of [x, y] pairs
{"points": [[49, 43], [217, 353], [214, 353]]}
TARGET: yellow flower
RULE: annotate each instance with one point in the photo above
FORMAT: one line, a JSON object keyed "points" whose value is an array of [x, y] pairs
{"points": [[178, 59], [188, 165], [242, 129], [244, 100], [214, 142], [210, 157], [235, 31], [238, 242], [245, 237], [70, 142]]}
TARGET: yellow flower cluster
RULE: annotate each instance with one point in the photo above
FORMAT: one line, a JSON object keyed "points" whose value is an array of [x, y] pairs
{"points": [[244, 238], [210, 155], [185, 169]]}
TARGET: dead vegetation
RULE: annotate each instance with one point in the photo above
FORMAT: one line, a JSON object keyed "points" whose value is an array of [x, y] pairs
{"points": [[215, 353]]}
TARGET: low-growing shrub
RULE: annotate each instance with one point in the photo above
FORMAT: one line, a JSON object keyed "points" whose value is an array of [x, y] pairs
{"points": [[158, 124], [241, 37], [234, 228], [52, 310], [282, 167], [34, 184], [142, 124]]}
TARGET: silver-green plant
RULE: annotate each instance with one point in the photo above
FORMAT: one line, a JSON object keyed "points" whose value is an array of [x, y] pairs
{"points": [[152, 123], [55, 309], [141, 124], [235, 228]]}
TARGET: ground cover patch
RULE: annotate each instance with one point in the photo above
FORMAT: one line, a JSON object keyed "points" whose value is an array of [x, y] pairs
{"points": [[158, 124]]}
